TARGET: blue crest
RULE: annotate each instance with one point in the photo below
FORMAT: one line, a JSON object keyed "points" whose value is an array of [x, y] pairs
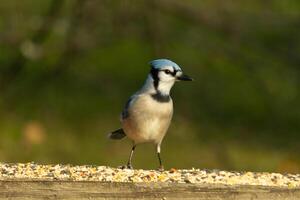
{"points": [[160, 63]]}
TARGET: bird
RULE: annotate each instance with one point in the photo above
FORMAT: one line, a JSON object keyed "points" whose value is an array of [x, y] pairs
{"points": [[147, 114]]}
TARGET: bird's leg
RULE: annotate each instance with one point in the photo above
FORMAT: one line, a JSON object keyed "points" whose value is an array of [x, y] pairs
{"points": [[161, 167], [129, 166]]}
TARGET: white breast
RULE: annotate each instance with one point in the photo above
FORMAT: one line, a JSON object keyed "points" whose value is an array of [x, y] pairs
{"points": [[148, 120]]}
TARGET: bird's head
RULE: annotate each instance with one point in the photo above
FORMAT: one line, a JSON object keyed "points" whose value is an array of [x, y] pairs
{"points": [[164, 73], [165, 70]]}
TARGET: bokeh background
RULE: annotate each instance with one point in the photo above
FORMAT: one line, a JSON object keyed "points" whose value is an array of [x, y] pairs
{"points": [[67, 68]]}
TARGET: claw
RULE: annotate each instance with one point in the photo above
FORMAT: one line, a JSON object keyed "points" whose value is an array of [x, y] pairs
{"points": [[161, 168], [125, 167], [129, 167]]}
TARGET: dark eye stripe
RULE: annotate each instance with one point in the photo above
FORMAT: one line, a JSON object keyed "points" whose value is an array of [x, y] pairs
{"points": [[169, 72]]}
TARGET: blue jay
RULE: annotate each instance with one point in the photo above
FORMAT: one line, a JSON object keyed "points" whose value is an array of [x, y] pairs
{"points": [[147, 114]]}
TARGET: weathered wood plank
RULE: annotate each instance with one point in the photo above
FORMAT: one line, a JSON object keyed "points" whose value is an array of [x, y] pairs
{"points": [[104, 190], [33, 181]]}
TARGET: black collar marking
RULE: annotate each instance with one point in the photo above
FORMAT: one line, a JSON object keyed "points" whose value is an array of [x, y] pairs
{"points": [[154, 74], [158, 96]]}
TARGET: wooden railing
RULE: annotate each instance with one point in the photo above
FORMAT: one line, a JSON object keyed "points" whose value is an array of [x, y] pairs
{"points": [[31, 181]]}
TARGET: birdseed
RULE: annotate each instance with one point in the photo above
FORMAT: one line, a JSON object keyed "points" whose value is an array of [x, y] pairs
{"points": [[33, 171]]}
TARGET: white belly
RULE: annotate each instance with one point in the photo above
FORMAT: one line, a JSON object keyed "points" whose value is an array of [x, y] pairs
{"points": [[148, 120]]}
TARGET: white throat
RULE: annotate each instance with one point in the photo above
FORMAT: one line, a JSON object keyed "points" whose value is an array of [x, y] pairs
{"points": [[164, 87]]}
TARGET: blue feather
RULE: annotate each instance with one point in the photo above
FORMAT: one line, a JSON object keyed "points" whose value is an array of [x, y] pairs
{"points": [[160, 63]]}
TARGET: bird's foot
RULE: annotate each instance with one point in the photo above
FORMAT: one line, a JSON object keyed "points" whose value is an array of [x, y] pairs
{"points": [[128, 166], [161, 168]]}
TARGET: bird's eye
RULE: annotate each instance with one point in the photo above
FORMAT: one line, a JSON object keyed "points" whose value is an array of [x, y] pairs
{"points": [[167, 71]]}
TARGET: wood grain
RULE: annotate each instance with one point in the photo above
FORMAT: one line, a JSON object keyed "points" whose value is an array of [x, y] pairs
{"points": [[104, 190]]}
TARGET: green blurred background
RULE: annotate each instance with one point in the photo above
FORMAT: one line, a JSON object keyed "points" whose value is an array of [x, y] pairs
{"points": [[67, 68]]}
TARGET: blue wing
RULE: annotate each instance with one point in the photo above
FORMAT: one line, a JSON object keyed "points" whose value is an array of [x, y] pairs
{"points": [[125, 112]]}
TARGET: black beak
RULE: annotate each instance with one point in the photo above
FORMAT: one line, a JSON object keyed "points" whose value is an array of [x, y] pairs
{"points": [[184, 77]]}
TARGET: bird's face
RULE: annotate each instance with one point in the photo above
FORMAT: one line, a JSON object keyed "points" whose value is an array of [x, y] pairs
{"points": [[171, 74], [165, 73]]}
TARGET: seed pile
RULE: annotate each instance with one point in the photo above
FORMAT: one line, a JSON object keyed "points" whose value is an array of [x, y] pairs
{"points": [[32, 171]]}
